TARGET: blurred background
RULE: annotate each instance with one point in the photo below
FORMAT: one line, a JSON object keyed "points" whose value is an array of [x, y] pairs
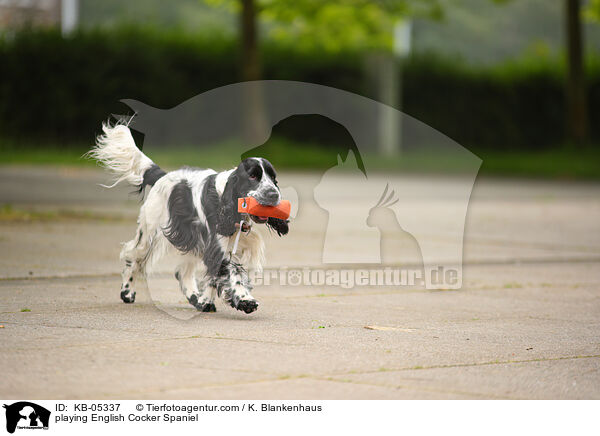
{"points": [[516, 82]]}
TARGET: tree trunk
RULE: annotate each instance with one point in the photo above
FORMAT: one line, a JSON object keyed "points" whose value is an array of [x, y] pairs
{"points": [[254, 116], [577, 121], [249, 42]]}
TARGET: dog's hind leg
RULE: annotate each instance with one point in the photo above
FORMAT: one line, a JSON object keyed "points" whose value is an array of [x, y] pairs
{"points": [[207, 287], [186, 276], [134, 254], [208, 290], [127, 292]]}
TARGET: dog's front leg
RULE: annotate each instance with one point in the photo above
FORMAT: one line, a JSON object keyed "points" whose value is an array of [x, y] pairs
{"points": [[235, 288], [228, 277]]}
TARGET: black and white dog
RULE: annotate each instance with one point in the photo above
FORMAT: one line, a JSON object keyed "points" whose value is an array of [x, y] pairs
{"points": [[192, 213]]}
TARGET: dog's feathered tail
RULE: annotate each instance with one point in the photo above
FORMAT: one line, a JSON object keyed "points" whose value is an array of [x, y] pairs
{"points": [[116, 151]]}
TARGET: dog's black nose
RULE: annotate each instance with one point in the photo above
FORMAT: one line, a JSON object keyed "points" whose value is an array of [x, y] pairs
{"points": [[271, 198]]}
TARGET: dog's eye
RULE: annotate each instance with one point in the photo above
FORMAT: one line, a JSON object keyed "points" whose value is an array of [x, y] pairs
{"points": [[252, 177]]}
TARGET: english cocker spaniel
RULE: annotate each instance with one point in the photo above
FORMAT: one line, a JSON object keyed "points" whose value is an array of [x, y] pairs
{"points": [[192, 213]]}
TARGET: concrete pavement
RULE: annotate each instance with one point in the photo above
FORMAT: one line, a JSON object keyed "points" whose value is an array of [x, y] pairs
{"points": [[525, 325]]}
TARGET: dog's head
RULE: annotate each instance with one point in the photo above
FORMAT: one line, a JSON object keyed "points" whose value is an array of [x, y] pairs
{"points": [[254, 177]]}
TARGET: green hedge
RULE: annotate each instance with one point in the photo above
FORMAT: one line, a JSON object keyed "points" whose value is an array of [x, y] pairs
{"points": [[55, 89], [59, 90], [500, 108]]}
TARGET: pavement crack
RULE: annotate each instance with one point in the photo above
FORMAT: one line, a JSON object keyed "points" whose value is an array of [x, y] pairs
{"points": [[130, 394], [159, 337], [234, 339], [472, 364], [415, 388]]}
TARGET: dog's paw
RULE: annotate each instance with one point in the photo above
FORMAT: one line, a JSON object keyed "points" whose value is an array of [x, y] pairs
{"points": [[208, 307], [247, 306], [127, 296], [202, 306]]}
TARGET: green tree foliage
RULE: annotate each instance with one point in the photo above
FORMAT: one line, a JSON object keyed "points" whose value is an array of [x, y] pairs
{"points": [[333, 26], [591, 11]]}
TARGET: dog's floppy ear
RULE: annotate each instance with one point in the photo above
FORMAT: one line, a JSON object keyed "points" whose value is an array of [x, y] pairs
{"points": [[228, 214], [280, 226]]}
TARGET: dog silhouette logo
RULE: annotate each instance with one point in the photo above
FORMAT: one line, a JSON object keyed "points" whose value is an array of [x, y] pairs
{"points": [[26, 415], [429, 174]]}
